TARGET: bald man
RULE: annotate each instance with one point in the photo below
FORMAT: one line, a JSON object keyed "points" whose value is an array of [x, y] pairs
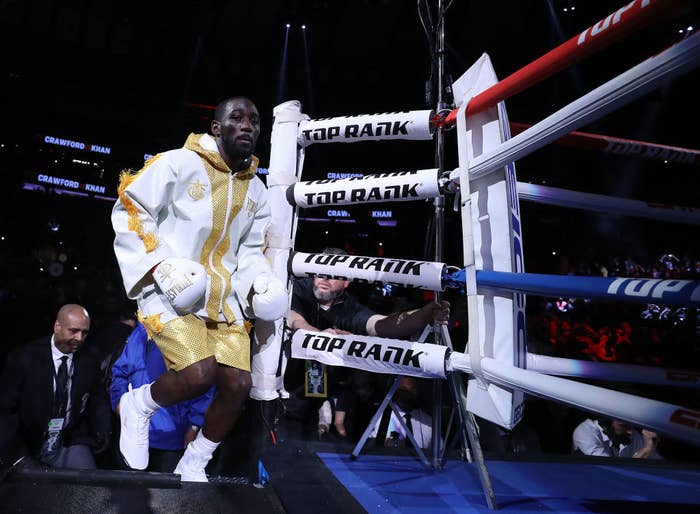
{"points": [[53, 406]]}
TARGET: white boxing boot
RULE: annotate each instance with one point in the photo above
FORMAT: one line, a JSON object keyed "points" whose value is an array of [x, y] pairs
{"points": [[135, 411], [195, 459]]}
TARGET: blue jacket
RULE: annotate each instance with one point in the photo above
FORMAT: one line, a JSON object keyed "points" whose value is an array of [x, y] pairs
{"points": [[141, 363]]}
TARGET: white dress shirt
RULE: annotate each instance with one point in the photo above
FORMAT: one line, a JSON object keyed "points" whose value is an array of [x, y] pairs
{"points": [[590, 439], [421, 426]]}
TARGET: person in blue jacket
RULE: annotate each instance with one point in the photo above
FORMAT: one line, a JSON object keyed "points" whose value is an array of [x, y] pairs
{"points": [[172, 428]]}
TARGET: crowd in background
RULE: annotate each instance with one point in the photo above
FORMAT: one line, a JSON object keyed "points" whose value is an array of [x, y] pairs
{"points": [[631, 333]]}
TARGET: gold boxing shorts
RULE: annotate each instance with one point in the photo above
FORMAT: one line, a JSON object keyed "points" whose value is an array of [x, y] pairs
{"points": [[189, 339]]}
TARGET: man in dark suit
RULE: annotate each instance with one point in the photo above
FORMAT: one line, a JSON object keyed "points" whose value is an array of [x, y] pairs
{"points": [[53, 406]]}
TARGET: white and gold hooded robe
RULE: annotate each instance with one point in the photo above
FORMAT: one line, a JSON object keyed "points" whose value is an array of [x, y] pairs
{"points": [[186, 203]]}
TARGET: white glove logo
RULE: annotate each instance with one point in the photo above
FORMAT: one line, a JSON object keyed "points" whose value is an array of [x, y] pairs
{"points": [[270, 299], [182, 281], [178, 283]]}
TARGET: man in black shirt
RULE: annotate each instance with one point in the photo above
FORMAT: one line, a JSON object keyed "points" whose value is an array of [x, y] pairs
{"points": [[339, 313], [321, 304]]}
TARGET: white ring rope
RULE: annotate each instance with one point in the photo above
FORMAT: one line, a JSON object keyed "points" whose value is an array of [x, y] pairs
{"points": [[613, 371], [607, 204]]}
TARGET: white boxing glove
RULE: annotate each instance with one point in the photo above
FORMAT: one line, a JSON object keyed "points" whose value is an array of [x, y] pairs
{"points": [[270, 300], [182, 281]]}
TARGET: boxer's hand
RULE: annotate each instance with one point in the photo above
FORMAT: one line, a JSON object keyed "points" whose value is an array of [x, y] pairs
{"points": [[182, 281], [270, 300]]}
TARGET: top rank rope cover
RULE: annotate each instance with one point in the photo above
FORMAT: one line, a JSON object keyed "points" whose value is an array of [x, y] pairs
{"points": [[415, 125], [372, 270], [401, 186], [375, 354]]}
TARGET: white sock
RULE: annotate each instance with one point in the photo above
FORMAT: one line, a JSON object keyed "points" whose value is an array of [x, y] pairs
{"points": [[202, 445], [145, 401]]}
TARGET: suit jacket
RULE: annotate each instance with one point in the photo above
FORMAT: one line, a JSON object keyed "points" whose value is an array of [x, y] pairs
{"points": [[27, 396]]}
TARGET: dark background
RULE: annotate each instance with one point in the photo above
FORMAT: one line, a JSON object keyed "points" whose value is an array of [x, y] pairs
{"points": [[133, 76]]}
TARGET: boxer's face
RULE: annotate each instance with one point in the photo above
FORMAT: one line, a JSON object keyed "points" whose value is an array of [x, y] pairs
{"points": [[238, 128]]}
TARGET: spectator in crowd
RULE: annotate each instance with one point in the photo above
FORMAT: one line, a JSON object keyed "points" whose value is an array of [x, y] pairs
{"points": [[108, 342], [172, 428], [53, 406], [321, 304], [416, 420], [614, 438]]}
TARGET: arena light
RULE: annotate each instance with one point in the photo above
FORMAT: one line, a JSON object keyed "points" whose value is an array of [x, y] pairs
{"points": [[282, 77], [307, 69]]}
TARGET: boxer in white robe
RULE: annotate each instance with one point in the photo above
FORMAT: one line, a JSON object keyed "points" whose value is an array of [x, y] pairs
{"points": [[190, 228]]}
